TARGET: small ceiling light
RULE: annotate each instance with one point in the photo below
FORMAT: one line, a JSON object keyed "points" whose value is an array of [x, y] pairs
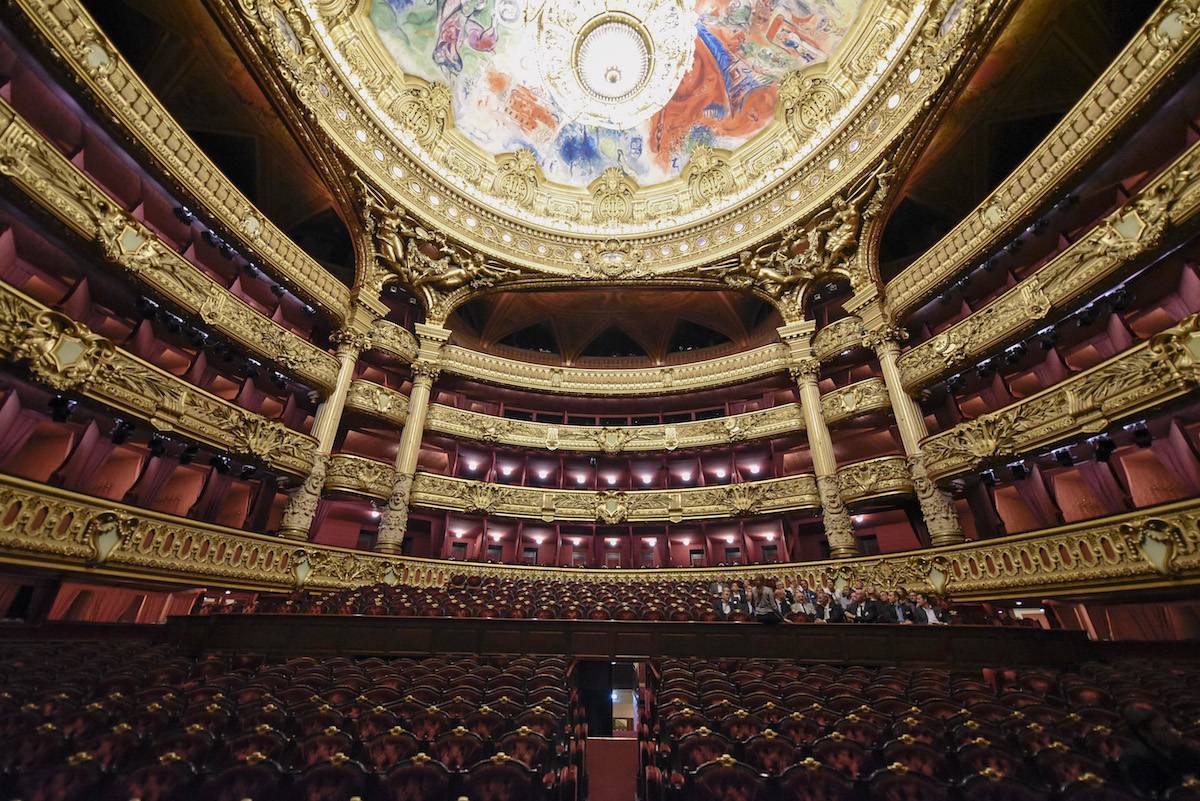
{"points": [[580, 479], [506, 470], [458, 534], [472, 464], [770, 536], [859, 518], [576, 541], [729, 538], [539, 539], [542, 474], [719, 472], [652, 541], [647, 478], [686, 540], [611, 480], [687, 476], [754, 469], [612, 540], [375, 513], [495, 535]]}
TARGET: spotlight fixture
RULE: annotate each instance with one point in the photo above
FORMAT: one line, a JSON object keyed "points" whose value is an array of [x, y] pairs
{"points": [[1018, 470], [988, 477], [146, 308], [120, 431], [247, 472], [986, 369], [956, 382], [1063, 457], [158, 446], [220, 463], [186, 455], [1088, 315], [308, 309], [251, 270], [277, 290], [184, 215], [61, 408], [197, 337]]}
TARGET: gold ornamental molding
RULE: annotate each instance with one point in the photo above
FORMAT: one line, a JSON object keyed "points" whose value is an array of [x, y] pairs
{"points": [[835, 126], [1149, 66], [838, 337], [49, 180], [1147, 375], [773, 422], [853, 400], [394, 340], [115, 91], [359, 475], [875, 478], [685, 377], [50, 528], [1148, 224], [66, 356], [789, 493], [378, 401]]}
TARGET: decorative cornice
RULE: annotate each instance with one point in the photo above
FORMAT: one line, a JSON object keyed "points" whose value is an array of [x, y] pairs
{"points": [[115, 91], [378, 401], [1121, 240], [503, 500], [1145, 70], [65, 355], [874, 478], [360, 476], [861, 397], [49, 180], [790, 175], [50, 527], [685, 377], [1142, 377]]}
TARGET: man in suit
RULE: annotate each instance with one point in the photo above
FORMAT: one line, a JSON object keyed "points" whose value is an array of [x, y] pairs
{"points": [[926, 614], [723, 605], [827, 610], [858, 609], [901, 606]]}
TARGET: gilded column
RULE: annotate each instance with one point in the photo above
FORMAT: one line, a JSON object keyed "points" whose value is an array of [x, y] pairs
{"points": [[936, 507], [302, 505], [394, 523], [838, 529]]}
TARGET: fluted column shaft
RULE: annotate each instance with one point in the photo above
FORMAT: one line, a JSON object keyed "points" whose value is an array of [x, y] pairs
{"points": [[393, 525], [839, 531], [936, 507], [302, 504]]}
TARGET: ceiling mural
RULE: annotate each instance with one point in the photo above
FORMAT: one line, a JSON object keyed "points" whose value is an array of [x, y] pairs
{"points": [[594, 84]]}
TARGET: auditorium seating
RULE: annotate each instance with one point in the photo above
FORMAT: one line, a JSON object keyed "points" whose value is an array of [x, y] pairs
{"points": [[509, 598], [768, 729], [83, 721]]}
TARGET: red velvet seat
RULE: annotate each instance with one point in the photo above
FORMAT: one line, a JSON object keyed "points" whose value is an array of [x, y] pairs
{"points": [[725, 779], [458, 749], [391, 748], [811, 781], [339, 779], [417, 778], [168, 780]]}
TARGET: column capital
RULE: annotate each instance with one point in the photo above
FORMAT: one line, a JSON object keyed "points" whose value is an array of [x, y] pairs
{"points": [[351, 340], [425, 371], [805, 370], [885, 338]]}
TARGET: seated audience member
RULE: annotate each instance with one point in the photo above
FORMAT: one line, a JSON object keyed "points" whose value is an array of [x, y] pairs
{"points": [[844, 598], [827, 610], [901, 608], [809, 596], [925, 613], [723, 605], [738, 596]]}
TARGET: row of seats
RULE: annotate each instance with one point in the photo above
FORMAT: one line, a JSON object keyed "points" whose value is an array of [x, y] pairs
{"points": [[751, 729], [135, 721]]}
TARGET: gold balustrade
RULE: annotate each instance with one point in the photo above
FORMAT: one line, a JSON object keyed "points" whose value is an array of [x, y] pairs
{"points": [[1154, 61], [67, 356], [47, 179], [51, 528], [115, 91], [1147, 375], [1150, 223]]}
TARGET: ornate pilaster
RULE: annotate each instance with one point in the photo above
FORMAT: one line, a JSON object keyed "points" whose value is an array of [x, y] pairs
{"points": [[804, 370], [394, 523], [302, 504], [936, 507]]}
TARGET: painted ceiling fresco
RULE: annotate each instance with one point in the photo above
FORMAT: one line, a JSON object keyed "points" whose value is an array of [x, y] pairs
{"points": [[484, 50]]}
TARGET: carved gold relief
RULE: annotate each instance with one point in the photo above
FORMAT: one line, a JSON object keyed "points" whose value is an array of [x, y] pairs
{"points": [[855, 399], [1144, 376], [51, 181], [360, 476], [886, 475], [1159, 546], [66, 355], [116, 92], [611, 506], [378, 401], [1146, 69], [1139, 227]]}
